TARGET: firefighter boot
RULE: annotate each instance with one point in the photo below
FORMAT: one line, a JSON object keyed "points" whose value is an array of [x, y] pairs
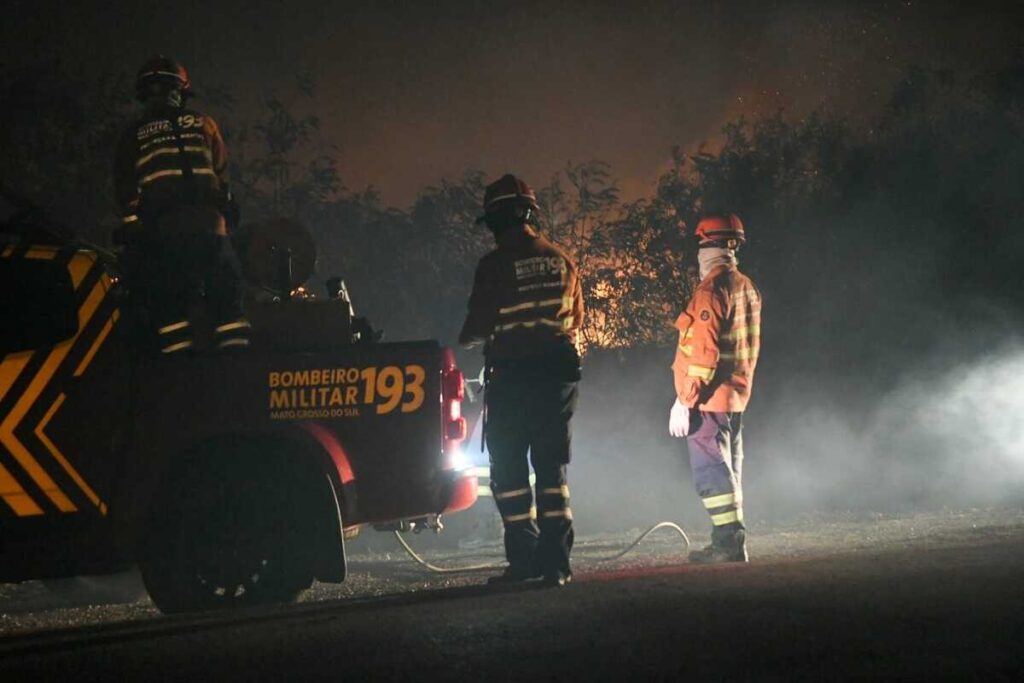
{"points": [[521, 551], [557, 578], [553, 548], [515, 574], [727, 545]]}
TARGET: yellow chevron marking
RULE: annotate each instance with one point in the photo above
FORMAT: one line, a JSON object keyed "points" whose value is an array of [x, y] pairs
{"points": [[32, 393], [59, 457], [35, 471], [44, 253], [15, 496], [80, 266], [11, 367], [102, 337], [17, 449]]}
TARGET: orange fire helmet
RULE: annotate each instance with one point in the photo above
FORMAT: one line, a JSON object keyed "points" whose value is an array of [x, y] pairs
{"points": [[725, 229], [161, 71]]}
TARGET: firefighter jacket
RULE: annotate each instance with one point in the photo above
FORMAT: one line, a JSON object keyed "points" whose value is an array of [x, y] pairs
{"points": [[171, 157], [527, 302], [719, 341]]}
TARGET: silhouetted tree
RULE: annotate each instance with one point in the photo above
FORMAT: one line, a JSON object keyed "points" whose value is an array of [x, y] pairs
{"points": [[58, 130]]}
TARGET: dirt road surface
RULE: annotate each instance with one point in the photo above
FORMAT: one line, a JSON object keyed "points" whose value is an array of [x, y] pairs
{"points": [[925, 596]]}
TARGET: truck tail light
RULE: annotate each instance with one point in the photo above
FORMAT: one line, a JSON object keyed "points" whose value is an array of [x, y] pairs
{"points": [[456, 430], [452, 393], [454, 385]]}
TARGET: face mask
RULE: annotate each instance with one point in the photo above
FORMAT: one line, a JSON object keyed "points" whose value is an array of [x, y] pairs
{"points": [[710, 258]]}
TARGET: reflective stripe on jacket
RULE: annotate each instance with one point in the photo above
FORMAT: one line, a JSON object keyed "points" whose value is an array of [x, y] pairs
{"points": [[526, 301], [719, 342], [150, 166]]}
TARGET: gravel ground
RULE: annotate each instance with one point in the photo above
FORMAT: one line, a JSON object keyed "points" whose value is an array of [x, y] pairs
{"points": [[375, 570]]}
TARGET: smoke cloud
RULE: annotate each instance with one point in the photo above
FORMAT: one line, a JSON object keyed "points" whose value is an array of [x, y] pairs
{"points": [[946, 434]]}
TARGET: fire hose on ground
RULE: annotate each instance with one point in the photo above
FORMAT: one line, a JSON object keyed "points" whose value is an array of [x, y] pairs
{"points": [[497, 565], [480, 383]]}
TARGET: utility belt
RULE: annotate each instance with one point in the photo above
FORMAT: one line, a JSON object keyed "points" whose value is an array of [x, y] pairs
{"points": [[167, 201], [203, 216], [561, 364]]}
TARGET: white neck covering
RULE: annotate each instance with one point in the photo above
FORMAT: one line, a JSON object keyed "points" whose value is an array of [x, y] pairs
{"points": [[710, 258]]}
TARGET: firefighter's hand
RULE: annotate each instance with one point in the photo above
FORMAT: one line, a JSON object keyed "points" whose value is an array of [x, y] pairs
{"points": [[679, 420]]}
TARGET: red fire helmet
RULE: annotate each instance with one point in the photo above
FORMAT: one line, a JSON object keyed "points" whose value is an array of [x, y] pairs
{"points": [[508, 188], [162, 70], [725, 229]]}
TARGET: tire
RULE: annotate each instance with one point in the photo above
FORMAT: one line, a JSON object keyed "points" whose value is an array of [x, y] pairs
{"points": [[229, 535]]}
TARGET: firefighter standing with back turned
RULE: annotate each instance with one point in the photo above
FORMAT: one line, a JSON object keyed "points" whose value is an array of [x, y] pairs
{"points": [[527, 306], [719, 341], [170, 174]]}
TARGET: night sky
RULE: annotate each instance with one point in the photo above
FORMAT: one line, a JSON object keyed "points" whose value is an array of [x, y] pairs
{"points": [[411, 92]]}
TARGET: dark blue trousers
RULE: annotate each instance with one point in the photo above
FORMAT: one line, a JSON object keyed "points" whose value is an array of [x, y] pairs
{"points": [[532, 414], [715, 444]]}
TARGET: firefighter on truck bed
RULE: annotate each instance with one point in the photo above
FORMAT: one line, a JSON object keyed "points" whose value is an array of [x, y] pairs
{"points": [[527, 306], [170, 175], [719, 341]]}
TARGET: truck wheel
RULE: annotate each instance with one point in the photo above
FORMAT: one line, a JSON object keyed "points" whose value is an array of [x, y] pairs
{"points": [[229, 539]]}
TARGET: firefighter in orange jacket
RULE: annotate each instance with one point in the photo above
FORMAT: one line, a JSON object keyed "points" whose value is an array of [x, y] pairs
{"points": [[527, 307], [170, 175], [719, 341]]}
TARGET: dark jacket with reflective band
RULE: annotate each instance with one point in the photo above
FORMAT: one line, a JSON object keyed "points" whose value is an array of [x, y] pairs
{"points": [[149, 173], [719, 341], [527, 302]]}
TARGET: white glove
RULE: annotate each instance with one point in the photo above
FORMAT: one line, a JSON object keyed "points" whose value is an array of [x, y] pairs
{"points": [[679, 420]]}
